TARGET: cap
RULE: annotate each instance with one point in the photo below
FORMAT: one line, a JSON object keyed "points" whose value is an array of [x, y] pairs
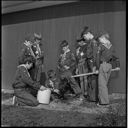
{"points": [[85, 30], [37, 36], [64, 43]]}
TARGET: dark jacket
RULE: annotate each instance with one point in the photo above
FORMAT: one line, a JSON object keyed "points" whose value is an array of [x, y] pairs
{"points": [[67, 60], [23, 80], [52, 83], [93, 55], [79, 51], [109, 55]]}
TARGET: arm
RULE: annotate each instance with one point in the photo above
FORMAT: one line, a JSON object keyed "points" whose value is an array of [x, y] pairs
{"points": [[27, 79], [47, 84], [115, 59], [70, 60]]}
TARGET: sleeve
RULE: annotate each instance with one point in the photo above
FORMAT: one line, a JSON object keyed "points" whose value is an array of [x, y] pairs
{"points": [[47, 84], [115, 59], [89, 51], [105, 54], [70, 61], [23, 53], [60, 66], [57, 82], [28, 80], [73, 59]]}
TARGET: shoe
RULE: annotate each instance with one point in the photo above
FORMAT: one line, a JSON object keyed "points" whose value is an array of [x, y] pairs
{"points": [[102, 105], [14, 101], [81, 98]]}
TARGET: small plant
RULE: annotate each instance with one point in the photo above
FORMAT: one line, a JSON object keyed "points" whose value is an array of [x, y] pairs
{"points": [[112, 118]]}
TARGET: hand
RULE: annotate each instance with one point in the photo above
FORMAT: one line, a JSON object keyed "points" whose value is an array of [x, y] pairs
{"points": [[117, 68], [66, 67], [42, 88], [77, 71], [56, 90], [28, 43], [94, 69]]}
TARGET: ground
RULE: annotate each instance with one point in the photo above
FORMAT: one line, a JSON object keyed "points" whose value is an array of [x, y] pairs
{"points": [[66, 113]]}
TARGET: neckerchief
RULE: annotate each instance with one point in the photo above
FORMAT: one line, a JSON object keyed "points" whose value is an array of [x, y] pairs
{"points": [[25, 68]]}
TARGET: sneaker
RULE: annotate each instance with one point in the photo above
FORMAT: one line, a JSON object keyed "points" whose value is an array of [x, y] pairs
{"points": [[81, 97], [14, 101], [102, 105]]}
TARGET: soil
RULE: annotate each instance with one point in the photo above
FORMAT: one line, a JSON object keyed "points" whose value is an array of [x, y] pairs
{"points": [[62, 114]]}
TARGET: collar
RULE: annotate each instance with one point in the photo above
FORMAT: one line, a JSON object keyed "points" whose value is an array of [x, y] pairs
{"points": [[22, 65], [25, 68], [68, 50]]}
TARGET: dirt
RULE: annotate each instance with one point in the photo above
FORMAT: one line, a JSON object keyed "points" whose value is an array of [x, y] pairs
{"points": [[17, 116], [64, 113]]}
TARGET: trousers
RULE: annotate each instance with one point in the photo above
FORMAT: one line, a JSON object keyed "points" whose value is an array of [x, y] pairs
{"points": [[24, 97], [104, 74], [83, 79], [74, 85], [92, 88]]}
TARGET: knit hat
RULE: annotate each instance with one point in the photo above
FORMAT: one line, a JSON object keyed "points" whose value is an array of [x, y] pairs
{"points": [[64, 43], [85, 31], [37, 36]]}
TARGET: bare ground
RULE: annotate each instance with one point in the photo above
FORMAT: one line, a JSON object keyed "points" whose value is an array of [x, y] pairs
{"points": [[66, 113]]}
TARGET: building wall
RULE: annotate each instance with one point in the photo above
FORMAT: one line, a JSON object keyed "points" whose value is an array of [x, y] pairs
{"points": [[61, 22]]}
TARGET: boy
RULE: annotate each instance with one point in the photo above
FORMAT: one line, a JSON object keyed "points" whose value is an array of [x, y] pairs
{"points": [[23, 82], [66, 66], [53, 83], [81, 57], [39, 57], [108, 60]]}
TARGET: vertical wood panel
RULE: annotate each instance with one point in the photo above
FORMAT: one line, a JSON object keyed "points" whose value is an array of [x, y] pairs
{"points": [[55, 30]]}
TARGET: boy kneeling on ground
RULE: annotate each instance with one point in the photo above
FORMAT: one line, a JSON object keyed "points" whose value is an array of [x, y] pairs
{"points": [[53, 84], [23, 82], [58, 86]]}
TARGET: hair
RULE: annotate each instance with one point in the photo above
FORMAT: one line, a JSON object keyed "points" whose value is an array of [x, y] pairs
{"points": [[64, 43], [85, 29], [28, 59], [37, 37], [50, 72]]}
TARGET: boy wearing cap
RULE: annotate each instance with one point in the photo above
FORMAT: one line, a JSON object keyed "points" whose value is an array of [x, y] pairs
{"points": [[93, 66], [26, 49], [91, 51], [39, 57], [81, 55], [31, 47], [67, 65], [81, 65], [53, 83]]}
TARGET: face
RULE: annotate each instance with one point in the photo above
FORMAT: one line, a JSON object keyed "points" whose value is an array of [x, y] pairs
{"points": [[94, 42], [65, 48], [81, 43], [37, 41], [88, 36], [29, 65], [53, 75], [102, 39]]}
